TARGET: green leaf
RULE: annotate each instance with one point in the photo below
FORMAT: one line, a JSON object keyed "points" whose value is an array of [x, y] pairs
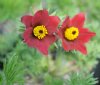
{"points": [[13, 71], [80, 78]]}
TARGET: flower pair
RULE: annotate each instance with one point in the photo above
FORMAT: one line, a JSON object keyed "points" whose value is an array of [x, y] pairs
{"points": [[40, 29]]}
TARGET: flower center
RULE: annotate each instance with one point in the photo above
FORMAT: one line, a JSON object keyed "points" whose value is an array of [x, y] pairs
{"points": [[71, 33], [40, 31]]}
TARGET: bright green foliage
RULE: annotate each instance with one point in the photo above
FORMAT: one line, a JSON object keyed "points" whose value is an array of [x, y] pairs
{"points": [[50, 80], [10, 9], [6, 43], [13, 71], [81, 79]]}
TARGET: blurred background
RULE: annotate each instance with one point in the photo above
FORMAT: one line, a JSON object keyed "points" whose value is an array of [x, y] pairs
{"points": [[21, 65]]}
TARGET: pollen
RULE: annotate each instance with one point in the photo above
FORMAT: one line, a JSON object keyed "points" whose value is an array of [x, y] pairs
{"points": [[40, 31], [71, 33]]}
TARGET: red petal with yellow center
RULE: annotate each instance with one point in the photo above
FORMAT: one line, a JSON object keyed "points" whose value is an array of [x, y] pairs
{"points": [[84, 34], [41, 17], [42, 45]]}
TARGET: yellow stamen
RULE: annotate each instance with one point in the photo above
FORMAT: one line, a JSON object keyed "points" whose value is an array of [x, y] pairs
{"points": [[71, 33], [40, 31]]}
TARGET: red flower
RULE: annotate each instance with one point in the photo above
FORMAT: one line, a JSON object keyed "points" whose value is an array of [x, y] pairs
{"points": [[74, 35], [39, 30]]}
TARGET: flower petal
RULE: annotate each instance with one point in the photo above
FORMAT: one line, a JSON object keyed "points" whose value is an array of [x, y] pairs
{"points": [[74, 46], [85, 35], [27, 35], [45, 44], [66, 23], [27, 20], [41, 17], [81, 48], [53, 24], [78, 20], [41, 45], [67, 45]]}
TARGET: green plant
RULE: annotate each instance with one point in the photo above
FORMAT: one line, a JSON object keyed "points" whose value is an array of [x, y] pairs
{"points": [[81, 79], [13, 71]]}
